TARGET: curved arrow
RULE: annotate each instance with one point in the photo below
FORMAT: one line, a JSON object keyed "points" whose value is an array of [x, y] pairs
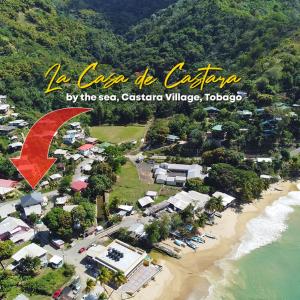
{"points": [[34, 162]]}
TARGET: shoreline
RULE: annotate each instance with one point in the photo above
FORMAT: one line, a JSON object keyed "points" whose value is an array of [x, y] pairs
{"points": [[186, 278]]}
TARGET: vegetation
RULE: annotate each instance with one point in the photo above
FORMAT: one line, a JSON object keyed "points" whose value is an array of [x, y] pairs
{"points": [[128, 187], [75, 222], [118, 134], [44, 284], [244, 185], [6, 250]]}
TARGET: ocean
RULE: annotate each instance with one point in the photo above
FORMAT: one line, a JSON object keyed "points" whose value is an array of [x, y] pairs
{"points": [[266, 263]]}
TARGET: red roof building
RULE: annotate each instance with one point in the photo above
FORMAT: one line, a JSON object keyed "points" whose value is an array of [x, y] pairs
{"points": [[85, 147], [4, 183], [78, 186]]}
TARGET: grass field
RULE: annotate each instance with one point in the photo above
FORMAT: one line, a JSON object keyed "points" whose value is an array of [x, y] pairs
{"points": [[118, 134], [129, 188]]}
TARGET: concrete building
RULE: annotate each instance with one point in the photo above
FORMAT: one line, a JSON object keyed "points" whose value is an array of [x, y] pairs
{"points": [[117, 256]]}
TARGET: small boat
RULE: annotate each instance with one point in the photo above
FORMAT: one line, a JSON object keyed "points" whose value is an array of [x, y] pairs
{"points": [[211, 236], [217, 214], [191, 245], [197, 240], [179, 243]]}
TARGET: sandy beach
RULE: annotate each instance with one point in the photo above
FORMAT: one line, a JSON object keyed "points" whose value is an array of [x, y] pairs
{"points": [[185, 278]]}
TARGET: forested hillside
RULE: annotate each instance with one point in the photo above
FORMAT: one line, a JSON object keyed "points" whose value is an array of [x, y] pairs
{"points": [[259, 40]]}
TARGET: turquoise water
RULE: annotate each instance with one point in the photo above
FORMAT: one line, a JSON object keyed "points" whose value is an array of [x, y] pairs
{"points": [[266, 265], [273, 271]]}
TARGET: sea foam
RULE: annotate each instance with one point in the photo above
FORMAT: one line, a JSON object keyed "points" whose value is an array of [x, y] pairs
{"points": [[267, 227], [261, 231]]}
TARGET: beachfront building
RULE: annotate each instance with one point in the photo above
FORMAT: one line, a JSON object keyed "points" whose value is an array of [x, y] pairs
{"points": [[117, 256], [226, 199], [15, 230], [182, 200]]}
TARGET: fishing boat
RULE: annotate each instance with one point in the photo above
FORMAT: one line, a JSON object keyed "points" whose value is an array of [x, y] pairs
{"points": [[217, 214], [197, 240], [191, 245], [179, 243], [211, 236]]}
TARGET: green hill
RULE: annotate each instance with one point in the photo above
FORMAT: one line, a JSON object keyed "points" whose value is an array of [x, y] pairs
{"points": [[256, 39]]}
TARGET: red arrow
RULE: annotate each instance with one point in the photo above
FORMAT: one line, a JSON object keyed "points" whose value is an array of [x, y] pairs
{"points": [[34, 162]]}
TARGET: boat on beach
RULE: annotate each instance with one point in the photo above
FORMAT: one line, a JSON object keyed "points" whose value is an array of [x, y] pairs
{"points": [[192, 245], [211, 236]]}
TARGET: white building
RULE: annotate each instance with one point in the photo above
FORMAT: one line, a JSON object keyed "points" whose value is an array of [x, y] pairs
{"points": [[145, 201], [117, 256], [183, 199], [56, 261], [32, 250], [226, 199]]}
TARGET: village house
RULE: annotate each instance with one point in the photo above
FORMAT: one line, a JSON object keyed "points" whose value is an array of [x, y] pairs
{"points": [[91, 140], [227, 200], [7, 188], [15, 146], [15, 230], [69, 139], [212, 111], [85, 149], [18, 123], [172, 138], [56, 262], [55, 177], [145, 202], [60, 152], [125, 210], [5, 130], [32, 250], [78, 186], [7, 210], [4, 108], [75, 125], [33, 203]]}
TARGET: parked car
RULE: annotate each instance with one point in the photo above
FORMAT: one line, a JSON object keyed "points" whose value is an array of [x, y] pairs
{"points": [[81, 250], [56, 294]]}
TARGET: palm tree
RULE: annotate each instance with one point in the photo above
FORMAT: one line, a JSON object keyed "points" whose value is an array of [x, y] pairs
{"points": [[214, 204], [105, 276], [102, 296], [119, 278], [90, 284], [202, 220]]}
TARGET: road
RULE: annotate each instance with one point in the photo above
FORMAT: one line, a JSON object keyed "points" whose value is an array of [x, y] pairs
{"points": [[72, 255]]}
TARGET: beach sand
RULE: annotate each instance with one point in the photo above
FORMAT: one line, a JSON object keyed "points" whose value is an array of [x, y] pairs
{"points": [[185, 278]]}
